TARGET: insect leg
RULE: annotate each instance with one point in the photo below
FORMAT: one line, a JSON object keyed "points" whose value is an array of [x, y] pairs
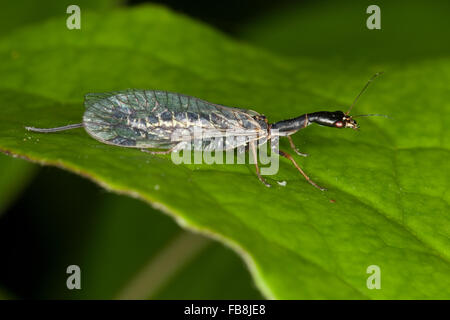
{"points": [[255, 158], [295, 148], [158, 152], [288, 156], [179, 146]]}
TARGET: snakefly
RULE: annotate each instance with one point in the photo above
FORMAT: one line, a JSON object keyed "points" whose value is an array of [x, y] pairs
{"points": [[146, 119]]}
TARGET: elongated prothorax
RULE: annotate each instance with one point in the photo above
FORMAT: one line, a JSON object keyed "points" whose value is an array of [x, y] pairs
{"points": [[336, 119]]}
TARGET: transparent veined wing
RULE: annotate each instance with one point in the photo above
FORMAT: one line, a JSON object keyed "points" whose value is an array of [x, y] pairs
{"points": [[147, 118]]}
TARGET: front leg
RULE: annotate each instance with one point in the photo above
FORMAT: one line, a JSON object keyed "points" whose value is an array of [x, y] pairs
{"points": [[295, 148]]}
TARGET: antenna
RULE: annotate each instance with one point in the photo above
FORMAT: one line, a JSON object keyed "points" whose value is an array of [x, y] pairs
{"points": [[371, 115], [363, 89]]}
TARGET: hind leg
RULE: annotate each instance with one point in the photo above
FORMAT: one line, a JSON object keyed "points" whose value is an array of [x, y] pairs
{"points": [[288, 156]]}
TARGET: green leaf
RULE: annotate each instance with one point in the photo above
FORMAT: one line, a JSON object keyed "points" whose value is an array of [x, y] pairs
{"points": [[389, 182]]}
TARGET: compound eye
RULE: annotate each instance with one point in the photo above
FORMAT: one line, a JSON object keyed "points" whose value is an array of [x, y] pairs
{"points": [[339, 124]]}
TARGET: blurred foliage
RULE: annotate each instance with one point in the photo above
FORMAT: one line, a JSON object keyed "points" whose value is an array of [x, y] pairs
{"points": [[336, 30], [112, 238], [19, 13], [15, 174], [215, 274], [389, 182]]}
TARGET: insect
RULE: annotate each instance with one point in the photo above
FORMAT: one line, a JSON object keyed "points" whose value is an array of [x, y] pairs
{"points": [[146, 119]]}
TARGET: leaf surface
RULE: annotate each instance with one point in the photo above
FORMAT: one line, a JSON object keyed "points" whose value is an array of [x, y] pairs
{"points": [[388, 197]]}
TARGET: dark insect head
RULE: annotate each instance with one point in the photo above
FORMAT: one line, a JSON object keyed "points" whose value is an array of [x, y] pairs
{"points": [[345, 121], [336, 119]]}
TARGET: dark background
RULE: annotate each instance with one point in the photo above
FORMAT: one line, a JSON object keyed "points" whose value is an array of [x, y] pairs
{"points": [[227, 16]]}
